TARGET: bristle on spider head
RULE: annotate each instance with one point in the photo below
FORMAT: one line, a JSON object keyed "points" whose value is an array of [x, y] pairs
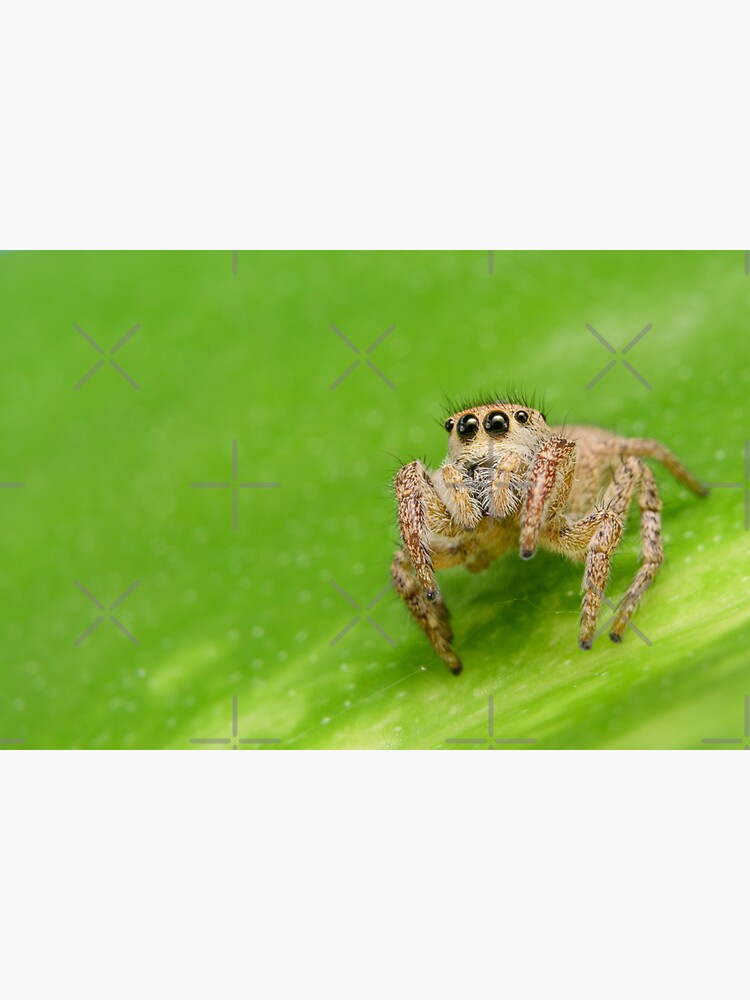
{"points": [[514, 395]]}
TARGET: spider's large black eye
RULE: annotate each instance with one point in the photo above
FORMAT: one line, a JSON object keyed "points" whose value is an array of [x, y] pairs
{"points": [[522, 416], [468, 425], [496, 423], [449, 425]]}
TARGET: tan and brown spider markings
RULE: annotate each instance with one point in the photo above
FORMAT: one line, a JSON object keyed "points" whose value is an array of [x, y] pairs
{"points": [[509, 480]]}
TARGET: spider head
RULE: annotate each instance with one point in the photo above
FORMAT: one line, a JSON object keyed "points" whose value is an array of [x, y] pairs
{"points": [[481, 434]]}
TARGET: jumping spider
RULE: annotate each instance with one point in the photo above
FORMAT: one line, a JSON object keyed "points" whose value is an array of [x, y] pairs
{"points": [[511, 480]]}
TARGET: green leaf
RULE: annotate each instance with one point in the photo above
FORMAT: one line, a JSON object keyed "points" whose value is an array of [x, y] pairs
{"points": [[253, 613]]}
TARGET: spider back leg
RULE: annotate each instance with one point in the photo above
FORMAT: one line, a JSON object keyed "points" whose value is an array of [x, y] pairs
{"points": [[652, 551], [595, 538], [648, 448]]}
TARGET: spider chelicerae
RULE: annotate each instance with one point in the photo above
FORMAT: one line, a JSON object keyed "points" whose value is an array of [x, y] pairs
{"points": [[511, 481]]}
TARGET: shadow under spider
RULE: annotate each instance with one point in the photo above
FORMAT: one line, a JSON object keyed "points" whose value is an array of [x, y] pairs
{"points": [[502, 606]]}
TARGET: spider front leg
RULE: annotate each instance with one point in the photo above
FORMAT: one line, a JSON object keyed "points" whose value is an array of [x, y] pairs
{"points": [[415, 493], [421, 510], [550, 481], [431, 616]]}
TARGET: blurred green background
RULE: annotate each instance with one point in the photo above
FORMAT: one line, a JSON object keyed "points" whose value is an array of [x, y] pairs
{"points": [[243, 349]]}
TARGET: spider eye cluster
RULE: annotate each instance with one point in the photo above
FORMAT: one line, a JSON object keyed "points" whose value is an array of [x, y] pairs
{"points": [[495, 423]]}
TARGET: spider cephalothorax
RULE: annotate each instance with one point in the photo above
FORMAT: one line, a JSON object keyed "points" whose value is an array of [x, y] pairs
{"points": [[509, 480]]}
